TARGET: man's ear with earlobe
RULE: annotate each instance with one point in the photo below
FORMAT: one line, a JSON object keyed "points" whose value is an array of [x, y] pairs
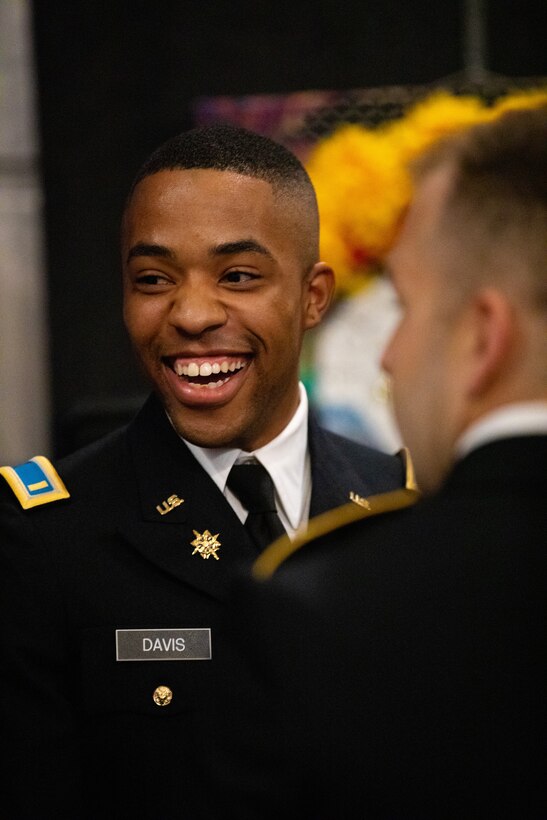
{"points": [[494, 330], [319, 284]]}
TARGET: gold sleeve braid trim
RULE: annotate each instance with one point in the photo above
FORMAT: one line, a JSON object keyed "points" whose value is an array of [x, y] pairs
{"points": [[274, 555]]}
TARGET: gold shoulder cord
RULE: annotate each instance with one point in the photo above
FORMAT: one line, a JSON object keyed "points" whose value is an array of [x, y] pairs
{"points": [[274, 555]]}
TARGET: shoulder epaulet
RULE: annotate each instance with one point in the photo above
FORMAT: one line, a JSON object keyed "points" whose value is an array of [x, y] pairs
{"points": [[35, 482], [358, 508]]}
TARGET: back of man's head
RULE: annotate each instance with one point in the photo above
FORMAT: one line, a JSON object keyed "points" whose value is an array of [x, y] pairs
{"points": [[497, 203], [470, 265]]}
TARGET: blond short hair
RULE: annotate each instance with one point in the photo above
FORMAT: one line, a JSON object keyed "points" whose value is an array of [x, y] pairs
{"points": [[496, 209]]}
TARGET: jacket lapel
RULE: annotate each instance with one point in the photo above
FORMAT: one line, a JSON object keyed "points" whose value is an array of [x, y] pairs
{"points": [[179, 504], [333, 475]]}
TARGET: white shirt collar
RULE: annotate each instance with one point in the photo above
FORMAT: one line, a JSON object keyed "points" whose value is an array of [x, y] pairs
{"points": [[287, 460], [518, 419]]}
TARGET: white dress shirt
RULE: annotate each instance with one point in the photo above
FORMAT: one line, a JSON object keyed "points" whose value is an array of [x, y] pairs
{"points": [[287, 460]]}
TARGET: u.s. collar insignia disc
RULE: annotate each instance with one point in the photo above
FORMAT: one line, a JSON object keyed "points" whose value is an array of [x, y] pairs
{"points": [[205, 544]]}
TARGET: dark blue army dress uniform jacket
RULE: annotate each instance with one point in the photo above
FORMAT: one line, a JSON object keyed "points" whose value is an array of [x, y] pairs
{"points": [[113, 620], [402, 660]]}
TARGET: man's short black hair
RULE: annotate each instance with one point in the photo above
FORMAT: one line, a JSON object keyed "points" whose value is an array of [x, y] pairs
{"points": [[228, 148]]}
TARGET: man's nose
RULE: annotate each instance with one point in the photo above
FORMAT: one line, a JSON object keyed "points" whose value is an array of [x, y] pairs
{"points": [[196, 309]]}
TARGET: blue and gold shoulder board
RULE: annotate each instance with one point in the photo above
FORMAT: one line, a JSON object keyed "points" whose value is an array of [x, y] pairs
{"points": [[35, 482]]}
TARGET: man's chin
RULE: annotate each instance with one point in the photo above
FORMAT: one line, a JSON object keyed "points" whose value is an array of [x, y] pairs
{"points": [[205, 431]]}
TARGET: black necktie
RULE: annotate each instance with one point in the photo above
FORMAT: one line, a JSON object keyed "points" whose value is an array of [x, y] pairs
{"points": [[252, 484]]}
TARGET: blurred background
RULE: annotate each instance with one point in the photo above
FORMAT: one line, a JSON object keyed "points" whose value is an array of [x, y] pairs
{"points": [[89, 89]]}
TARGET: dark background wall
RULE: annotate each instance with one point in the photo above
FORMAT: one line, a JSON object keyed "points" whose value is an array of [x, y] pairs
{"points": [[117, 78]]}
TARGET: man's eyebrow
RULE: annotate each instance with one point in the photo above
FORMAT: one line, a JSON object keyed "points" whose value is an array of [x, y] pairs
{"points": [[240, 246], [146, 249]]}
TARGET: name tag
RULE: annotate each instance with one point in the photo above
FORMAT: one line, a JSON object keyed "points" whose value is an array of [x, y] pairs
{"points": [[163, 644]]}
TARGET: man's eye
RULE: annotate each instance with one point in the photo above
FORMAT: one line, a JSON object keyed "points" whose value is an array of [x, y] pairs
{"points": [[151, 279], [238, 277]]}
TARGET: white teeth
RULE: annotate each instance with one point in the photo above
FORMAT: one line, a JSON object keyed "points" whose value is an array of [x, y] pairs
{"points": [[206, 369], [219, 383]]}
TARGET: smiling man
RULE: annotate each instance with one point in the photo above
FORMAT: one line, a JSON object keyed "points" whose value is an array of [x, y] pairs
{"points": [[221, 281], [116, 566]]}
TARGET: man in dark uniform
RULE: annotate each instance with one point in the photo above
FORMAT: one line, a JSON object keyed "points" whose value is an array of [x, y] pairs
{"points": [[115, 565], [404, 656]]}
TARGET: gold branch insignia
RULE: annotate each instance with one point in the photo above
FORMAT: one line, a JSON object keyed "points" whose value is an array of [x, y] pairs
{"points": [[205, 544]]}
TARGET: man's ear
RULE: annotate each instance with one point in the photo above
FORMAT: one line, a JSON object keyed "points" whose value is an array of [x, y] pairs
{"points": [[493, 334], [319, 284]]}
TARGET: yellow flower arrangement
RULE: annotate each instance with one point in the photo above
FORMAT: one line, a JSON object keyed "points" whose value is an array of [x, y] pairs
{"points": [[359, 188], [363, 185]]}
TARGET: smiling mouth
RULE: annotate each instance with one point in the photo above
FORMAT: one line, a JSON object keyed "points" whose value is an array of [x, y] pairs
{"points": [[209, 373]]}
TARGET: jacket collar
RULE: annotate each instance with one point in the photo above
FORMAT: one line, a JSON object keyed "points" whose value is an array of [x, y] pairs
{"points": [[507, 462], [164, 468]]}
